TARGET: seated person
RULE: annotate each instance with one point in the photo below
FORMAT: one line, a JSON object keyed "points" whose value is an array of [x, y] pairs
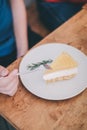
{"points": [[14, 43], [53, 13]]}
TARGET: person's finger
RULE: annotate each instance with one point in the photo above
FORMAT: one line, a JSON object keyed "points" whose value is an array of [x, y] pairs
{"points": [[14, 84], [14, 90], [10, 83], [13, 73], [11, 88], [8, 79], [3, 71]]}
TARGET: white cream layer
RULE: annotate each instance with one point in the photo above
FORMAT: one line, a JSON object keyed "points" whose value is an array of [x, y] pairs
{"points": [[61, 73]]}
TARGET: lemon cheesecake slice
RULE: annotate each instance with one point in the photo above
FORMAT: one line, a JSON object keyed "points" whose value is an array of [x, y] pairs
{"points": [[63, 67]]}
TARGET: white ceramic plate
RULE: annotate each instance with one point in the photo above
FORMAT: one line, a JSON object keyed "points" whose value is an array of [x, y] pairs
{"points": [[59, 90]]}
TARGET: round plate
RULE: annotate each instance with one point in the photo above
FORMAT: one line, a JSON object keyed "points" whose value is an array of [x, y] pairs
{"points": [[59, 90]]}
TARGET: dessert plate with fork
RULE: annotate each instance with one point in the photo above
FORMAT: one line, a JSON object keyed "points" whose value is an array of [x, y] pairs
{"points": [[33, 64]]}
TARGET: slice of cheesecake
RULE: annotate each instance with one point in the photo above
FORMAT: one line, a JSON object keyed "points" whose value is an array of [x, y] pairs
{"points": [[63, 67]]}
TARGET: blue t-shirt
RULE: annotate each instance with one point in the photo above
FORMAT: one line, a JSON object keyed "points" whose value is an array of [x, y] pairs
{"points": [[7, 40]]}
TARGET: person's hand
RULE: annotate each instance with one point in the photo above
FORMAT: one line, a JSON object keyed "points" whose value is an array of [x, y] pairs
{"points": [[9, 82]]}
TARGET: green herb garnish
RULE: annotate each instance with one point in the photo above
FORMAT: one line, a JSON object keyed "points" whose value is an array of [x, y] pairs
{"points": [[38, 64]]}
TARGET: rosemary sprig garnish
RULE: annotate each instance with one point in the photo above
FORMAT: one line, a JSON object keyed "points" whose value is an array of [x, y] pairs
{"points": [[38, 64]]}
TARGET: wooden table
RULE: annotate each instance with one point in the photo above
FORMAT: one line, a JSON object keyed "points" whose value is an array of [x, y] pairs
{"points": [[28, 112]]}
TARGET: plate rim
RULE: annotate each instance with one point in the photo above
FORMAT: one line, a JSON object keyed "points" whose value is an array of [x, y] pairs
{"points": [[52, 43]]}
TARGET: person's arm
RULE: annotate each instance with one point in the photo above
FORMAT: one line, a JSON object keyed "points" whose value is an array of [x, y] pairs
{"points": [[20, 26], [8, 82]]}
